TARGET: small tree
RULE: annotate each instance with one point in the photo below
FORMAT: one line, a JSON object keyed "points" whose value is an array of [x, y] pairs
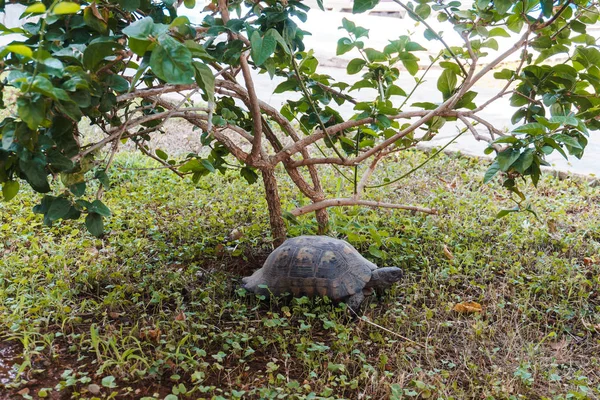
{"points": [[115, 63]]}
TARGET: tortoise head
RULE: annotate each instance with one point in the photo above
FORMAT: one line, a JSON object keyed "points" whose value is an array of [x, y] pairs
{"points": [[383, 278]]}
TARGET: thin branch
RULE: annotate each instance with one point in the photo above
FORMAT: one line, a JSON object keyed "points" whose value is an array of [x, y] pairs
{"points": [[254, 108], [420, 165], [163, 162], [142, 93], [116, 133], [337, 93], [476, 134], [554, 17], [349, 201], [418, 18], [491, 128], [314, 107], [365, 178]]}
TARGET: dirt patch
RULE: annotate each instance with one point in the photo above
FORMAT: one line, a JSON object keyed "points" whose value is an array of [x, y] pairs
{"points": [[10, 357]]}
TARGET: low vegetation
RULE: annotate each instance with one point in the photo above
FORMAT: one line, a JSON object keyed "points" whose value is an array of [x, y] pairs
{"points": [[153, 309]]}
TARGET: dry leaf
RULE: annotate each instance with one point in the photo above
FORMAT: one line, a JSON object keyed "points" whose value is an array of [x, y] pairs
{"points": [[587, 261], [94, 389], [151, 334], [448, 253], [235, 234], [97, 13], [114, 315], [180, 316], [551, 225], [23, 392], [560, 345], [467, 307]]}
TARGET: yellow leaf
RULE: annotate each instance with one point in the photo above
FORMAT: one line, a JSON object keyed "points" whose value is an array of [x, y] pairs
{"points": [[20, 49], [448, 253], [468, 307], [35, 8], [66, 7]]}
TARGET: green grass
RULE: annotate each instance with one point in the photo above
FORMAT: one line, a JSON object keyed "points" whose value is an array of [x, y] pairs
{"points": [[154, 307]]}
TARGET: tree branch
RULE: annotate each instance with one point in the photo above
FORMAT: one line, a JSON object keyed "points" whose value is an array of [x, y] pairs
{"points": [[337, 202], [254, 109]]}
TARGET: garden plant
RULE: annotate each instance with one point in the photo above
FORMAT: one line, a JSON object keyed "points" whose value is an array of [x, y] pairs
{"points": [[147, 301]]}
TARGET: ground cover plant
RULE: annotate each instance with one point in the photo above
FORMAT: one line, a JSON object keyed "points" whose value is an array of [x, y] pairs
{"points": [[153, 309], [117, 65]]}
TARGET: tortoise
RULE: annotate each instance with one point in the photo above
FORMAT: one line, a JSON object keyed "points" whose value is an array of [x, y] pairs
{"points": [[320, 266]]}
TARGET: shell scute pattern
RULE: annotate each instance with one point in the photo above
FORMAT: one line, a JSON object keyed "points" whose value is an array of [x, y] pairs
{"points": [[308, 267]]}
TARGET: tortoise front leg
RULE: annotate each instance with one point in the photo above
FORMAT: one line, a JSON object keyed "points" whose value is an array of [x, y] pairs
{"points": [[355, 301]]}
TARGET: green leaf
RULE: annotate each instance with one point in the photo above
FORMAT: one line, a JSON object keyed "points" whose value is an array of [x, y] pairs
{"points": [[117, 83], [498, 32], [355, 65], [466, 101], [141, 29], [394, 90], [171, 61], [502, 6], [515, 23], [58, 162], [32, 112], [361, 6], [161, 154], [98, 207], [277, 36], [423, 10], [262, 47], [566, 139], [344, 45], [504, 213], [491, 172], [249, 175], [138, 46], [490, 43], [205, 80], [198, 51], [102, 178], [506, 158], [447, 83], [65, 7], [193, 165], [129, 5], [208, 165], [10, 190], [411, 66], [375, 252], [533, 128], [95, 226], [58, 209], [98, 51], [189, 4], [285, 86], [375, 55], [524, 161], [78, 189], [504, 74], [430, 35]]}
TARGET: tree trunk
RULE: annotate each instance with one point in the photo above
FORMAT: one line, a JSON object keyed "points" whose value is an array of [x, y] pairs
{"points": [[278, 229], [322, 221]]}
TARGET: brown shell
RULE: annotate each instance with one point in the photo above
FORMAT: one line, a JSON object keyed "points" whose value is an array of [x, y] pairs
{"points": [[312, 266]]}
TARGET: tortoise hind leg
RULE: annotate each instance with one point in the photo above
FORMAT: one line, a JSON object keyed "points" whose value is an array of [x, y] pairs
{"points": [[355, 301]]}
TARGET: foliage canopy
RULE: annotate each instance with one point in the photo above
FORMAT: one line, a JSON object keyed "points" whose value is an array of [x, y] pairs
{"points": [[113, 63]]}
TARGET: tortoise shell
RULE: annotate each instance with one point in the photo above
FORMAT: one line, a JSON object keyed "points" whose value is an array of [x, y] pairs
{"points": [[312, 266]]}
